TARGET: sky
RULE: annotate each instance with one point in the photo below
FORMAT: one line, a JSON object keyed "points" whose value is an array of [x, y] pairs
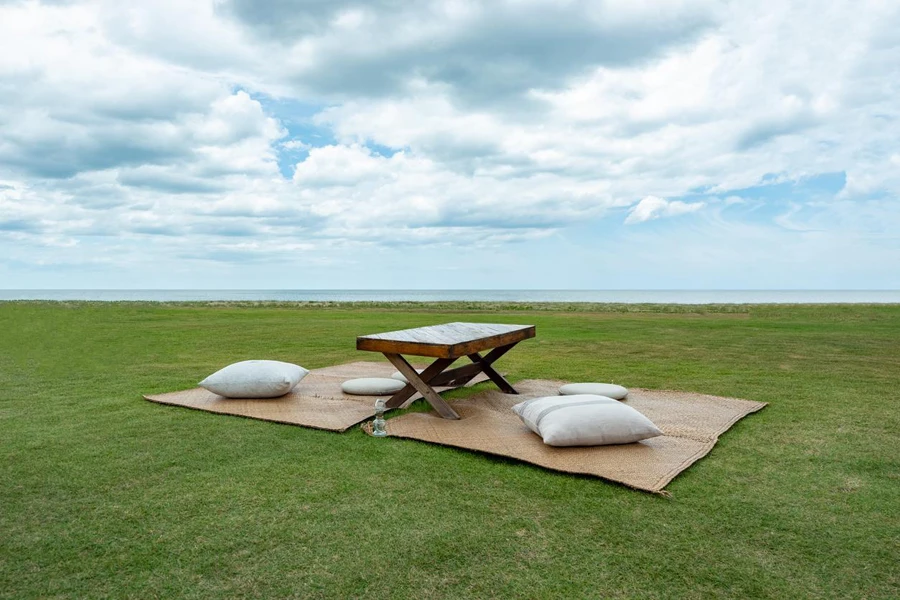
{"points": [[449, 144]]}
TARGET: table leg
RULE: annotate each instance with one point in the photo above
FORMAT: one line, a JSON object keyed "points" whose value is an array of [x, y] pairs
{"points": [[485, 363], [456, 377], [419, 383]]}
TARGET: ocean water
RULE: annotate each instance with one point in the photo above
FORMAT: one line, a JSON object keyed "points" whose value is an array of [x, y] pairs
{"points": [[606, 296]]}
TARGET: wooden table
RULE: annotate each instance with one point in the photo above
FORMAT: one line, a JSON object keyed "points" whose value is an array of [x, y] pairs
{"points": [[446, 343]]}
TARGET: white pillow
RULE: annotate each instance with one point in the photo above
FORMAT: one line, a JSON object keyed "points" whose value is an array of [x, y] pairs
{"points": [[372, 386], [255, 379], [610, 390], [584, 420]]}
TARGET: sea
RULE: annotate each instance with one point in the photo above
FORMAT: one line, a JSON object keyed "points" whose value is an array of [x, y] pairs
{"points": [[525, 296]]}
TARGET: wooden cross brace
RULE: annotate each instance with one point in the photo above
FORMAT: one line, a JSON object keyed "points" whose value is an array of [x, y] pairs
{"points": [[436, 374]]}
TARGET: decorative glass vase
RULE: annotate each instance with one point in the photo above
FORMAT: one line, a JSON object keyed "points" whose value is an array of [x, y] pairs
{"points": [[378, 424]]}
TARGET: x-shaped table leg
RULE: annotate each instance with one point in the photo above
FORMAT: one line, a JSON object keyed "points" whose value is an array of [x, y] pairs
{"points": [[419, 383], [435, 375], [480, 364], [485, 363]]}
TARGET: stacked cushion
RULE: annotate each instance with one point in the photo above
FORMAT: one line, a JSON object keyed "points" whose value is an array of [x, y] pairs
{"points": [[584, 420], [372, 386], [255, 379], [610, 390]]}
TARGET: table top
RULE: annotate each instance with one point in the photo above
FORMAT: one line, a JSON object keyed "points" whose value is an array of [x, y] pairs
{"points": [[450, 340]]}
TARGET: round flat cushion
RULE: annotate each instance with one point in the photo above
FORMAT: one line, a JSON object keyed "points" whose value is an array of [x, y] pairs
{"points": [[372, 386], [610, 390]]}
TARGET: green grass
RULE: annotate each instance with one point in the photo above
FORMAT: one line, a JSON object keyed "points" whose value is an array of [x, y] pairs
{"points": [[105, 495]]}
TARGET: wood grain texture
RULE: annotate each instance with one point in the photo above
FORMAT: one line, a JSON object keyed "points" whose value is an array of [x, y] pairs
{"points": [[400, 398], [415, 381], [486, 368], [464, 373], [450, 340]]}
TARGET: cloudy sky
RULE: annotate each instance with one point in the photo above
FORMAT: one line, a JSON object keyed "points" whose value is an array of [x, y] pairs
{"points": [[299, 144]]}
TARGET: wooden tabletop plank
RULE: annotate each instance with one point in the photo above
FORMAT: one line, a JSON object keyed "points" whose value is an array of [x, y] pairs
{"points": [[449, 333], [450, 340]]}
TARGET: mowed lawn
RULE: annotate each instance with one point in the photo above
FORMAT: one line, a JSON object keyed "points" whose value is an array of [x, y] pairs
{"points": [[106, 495]]}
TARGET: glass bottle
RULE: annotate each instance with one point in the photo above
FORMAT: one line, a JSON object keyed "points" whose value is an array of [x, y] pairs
{"points": [[378, 424]]}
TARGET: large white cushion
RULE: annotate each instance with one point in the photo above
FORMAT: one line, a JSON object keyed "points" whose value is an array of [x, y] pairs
{"points": [[255, 379], [610, 390], [372, 386], [584, 420], [401, 377]]}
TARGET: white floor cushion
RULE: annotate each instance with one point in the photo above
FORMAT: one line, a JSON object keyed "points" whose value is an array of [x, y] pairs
{"points": [[401, 377], [372, 386], [255, 379], [610, 390], [584, 420]]}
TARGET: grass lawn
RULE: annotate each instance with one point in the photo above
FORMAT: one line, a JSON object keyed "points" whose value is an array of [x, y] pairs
{"points": [[106, 495]]}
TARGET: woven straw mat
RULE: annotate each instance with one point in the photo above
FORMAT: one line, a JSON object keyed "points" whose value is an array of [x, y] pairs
{"points": [[691, 424], [317, 401]]}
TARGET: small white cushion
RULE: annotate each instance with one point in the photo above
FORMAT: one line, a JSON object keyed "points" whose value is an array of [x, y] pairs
{"points": [[255, 379], [401, 377], [372, 386], [610, 390], [584, 420]]}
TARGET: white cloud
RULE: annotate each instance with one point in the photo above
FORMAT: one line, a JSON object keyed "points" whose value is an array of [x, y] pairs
{"points": [[652, 207], [478, 124], [295, 145], [363, 193]]}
